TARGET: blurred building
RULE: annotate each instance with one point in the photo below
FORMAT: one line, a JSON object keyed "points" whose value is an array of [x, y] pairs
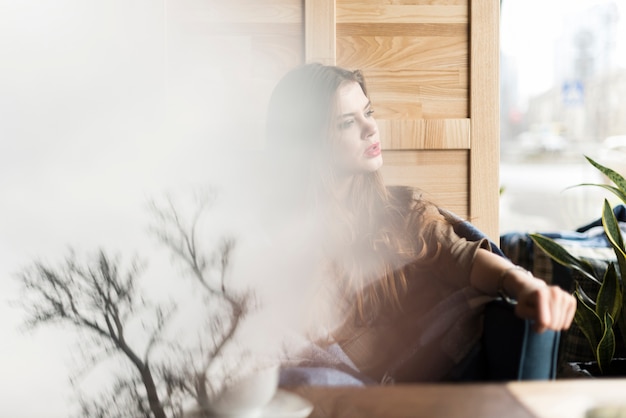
{"points": [[587, 101]]}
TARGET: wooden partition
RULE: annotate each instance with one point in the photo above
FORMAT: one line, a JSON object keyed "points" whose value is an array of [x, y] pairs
{"points": [[431, 66], [432, 72]]}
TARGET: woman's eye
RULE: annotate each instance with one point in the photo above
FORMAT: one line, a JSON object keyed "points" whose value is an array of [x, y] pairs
{"points": [[369, 113], [346, 124]]}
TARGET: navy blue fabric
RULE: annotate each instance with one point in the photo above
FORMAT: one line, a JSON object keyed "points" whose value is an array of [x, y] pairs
{"points": [[466, 230], [513, 350], [620, 214]]}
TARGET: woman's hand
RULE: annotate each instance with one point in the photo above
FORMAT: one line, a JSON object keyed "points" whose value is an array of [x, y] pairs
{"points": [[549, 307]]}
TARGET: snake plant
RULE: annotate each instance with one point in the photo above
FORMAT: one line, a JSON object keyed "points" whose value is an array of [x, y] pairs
{"points": [[598, 318]]}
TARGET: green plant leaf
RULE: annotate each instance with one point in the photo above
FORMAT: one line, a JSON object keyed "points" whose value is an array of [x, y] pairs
{"points": [[614, 176], [609, 299], [621, 323], [611, 226], [606, 346], [614, 234], [588, 321], [621, 194], [562, 256], [585, 298]]}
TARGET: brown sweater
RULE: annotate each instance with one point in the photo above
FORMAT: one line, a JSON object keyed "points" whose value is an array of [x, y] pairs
{"points": [[439, 321]]}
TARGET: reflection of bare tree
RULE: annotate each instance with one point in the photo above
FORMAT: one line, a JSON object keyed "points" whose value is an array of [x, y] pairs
{"points": [[124, 400], [101, 297], [227, 307], [98, 297]]}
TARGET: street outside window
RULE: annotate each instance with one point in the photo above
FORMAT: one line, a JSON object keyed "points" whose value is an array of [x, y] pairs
{"points": [[562, 96]]}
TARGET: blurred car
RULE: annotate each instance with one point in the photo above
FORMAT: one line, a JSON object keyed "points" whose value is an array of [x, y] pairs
{"points": [[541, 142]]}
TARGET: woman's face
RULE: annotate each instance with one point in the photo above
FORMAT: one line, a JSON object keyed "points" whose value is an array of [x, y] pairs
{"points": [[357, 147]]}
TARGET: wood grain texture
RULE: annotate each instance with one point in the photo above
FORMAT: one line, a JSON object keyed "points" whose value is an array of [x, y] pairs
{"points": [[440, 174], [423, 2], [373, 12], [320, 31], [425, 105], [414, 94], [401, 80], [402, 29], [431, 68], [484, 113], [415, 56], [420, 77], [424, 134], [418, 401], [403, 52]]}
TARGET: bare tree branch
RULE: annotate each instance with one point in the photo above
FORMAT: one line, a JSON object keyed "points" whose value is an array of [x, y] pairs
{"points": [[163, 316], [90, 296], [210, 271], [100, 296]]}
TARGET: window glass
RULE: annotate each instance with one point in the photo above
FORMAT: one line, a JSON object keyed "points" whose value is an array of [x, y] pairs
{"points": [[563, 96]]}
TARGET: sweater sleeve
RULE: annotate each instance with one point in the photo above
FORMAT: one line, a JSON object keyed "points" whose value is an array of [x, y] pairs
{"points": [[454, 256]]}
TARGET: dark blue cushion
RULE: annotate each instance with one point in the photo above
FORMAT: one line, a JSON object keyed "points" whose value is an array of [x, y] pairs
{"points": [[509, 350], [514, 351]]}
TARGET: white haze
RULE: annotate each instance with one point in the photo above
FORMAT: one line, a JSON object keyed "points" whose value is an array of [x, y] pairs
{"points": [[104, 105]]}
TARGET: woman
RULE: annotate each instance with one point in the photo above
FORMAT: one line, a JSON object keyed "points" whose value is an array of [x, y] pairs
{"points": [[412, 291]]}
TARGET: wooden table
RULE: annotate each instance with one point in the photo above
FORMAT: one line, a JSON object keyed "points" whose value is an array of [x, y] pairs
{"points": [[555, 399]]}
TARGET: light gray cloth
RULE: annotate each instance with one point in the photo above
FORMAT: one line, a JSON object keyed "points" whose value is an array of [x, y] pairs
{"points": [[328, 366]]}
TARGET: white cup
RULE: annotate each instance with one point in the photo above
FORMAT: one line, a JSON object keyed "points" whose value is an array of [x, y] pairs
{"points": [[244, 398]]}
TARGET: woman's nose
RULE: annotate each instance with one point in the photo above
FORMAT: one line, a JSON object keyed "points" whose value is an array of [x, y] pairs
{"points": [[370, 127]]}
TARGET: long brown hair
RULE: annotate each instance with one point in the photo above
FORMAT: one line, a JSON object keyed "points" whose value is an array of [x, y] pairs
{"points": [[372, 222]]}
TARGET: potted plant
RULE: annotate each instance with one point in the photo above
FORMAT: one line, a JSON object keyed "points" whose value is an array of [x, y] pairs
{"points": [[598, 318]]}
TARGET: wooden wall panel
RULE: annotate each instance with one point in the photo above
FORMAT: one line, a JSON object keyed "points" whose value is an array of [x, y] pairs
{"points": [[431, 66], [415, 56], [425, 134], [222, 54], [320, 31], [441, 175], [402, 11], [432, 70], [432, 76], [485, 111]]}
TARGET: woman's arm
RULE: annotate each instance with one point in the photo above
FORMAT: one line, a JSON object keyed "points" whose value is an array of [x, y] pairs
{"points": [[549, 306]]}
